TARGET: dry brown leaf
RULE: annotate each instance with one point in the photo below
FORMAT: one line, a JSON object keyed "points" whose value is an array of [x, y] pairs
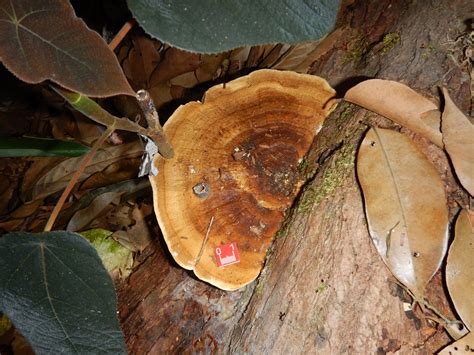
{"points": [[150, 54], [397, 102], [27, 209], [137, 236], [458, 138], [11, 225], [295, 56], [255, 56], [464, 345], [133, 68], [39, 167], [175, 62], [460, 270], [141, 60], [209, 66], [7, 189], [186, 80], [57, 176], [160, 94], [432, 119], [300, 59], [272, 54], [238, 57], [122, 170], [98, 206], [405, 205]]}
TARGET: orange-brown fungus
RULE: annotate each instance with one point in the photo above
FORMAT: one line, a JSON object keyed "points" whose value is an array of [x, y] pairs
{"points": [[235, 169]]}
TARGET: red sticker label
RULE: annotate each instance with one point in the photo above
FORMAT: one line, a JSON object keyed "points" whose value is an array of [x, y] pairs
{"points": [[227, 254]]}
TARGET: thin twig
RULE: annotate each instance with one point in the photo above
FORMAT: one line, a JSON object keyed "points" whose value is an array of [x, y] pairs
{"points": [[424, 303], [122, 33], [204, 242], [75, 177]]}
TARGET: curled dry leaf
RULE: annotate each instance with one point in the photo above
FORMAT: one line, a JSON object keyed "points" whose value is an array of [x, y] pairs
{"points": [[136, 235], [235, 169], [464, 345], [405, 205], [397, 102], [458, 138], [56, 177], [460, 269], [98, 206]]}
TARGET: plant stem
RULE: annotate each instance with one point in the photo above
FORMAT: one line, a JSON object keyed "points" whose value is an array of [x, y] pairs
{"points": [[92, 109], [122, 33], [75, 177], [154, 127]]}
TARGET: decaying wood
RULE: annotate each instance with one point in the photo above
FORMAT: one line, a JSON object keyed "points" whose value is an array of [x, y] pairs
{"points": [[324, 289]]}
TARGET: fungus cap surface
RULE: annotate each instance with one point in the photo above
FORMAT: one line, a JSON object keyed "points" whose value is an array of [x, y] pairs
{"points": [[235, 169]]}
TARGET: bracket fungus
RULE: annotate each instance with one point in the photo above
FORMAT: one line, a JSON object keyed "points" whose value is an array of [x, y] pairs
{"points": [[235, 171]]}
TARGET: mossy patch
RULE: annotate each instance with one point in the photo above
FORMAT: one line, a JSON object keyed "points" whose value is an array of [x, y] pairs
{"points": [[303, 165], [117, 259], [428, 49], [345, 115], [356, 51], [332, 178], [321, 287], [390, 40], [261, 283]]}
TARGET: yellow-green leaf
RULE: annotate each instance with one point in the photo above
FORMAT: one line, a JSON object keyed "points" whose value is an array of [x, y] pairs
{"points": [[405, 205]]}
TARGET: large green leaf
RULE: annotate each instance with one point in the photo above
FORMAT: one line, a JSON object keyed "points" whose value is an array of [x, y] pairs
{"points": [[41, 40], [39, 147], [55, 290], [211, 26]]}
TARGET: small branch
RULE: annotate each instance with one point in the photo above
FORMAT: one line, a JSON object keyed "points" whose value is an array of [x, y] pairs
{"points": [[75, 178], [154, 127], [92, 109], [424, 304], [204, 242]]}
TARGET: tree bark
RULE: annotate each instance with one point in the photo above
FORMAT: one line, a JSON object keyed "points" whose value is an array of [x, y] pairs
{"points": [[324, 289]]}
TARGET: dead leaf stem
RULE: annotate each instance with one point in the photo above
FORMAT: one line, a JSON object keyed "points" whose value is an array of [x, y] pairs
{"points": [[122, 33], [76, 176]]}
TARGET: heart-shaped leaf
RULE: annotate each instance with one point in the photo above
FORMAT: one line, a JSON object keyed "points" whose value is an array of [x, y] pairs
{"points": [[210, 26], [399, 103], [460, 269], [405, 205], [55, 290], [458, 139], [44, 40]]}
